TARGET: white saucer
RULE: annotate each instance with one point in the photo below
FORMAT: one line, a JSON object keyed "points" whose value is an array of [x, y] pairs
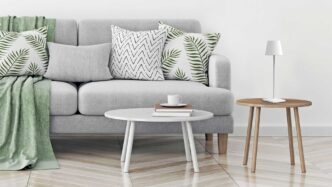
{"points": [[174, 106]]}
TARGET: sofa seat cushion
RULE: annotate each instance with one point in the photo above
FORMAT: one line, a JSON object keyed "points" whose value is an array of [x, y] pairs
{"points": [[96, 98], [63, 98]]}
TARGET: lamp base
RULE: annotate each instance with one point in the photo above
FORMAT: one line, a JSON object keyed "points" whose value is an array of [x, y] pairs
{"points": [[274, 100]]}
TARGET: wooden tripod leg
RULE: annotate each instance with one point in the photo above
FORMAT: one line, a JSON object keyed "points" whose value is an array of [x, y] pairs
{"points": [[254, 153], [247, 145], [290, 136], [299, 138]]}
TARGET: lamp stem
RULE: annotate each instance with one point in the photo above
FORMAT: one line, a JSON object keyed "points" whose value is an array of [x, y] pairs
{"points": [[274, 60]]}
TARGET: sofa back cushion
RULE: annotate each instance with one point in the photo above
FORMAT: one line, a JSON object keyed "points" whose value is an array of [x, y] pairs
{"points": [[99, 31], [66, 31]]}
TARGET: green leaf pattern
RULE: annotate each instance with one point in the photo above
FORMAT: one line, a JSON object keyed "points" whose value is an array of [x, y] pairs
{"points": [[181, 75], [169, 59], [198, 56], [13, 63], [171, 32], [212, 40], [6, 40], [23, 53], [192, 57], [39, 44], [33, 69]]}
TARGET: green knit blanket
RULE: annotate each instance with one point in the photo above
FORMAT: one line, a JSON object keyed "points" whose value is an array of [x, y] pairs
{"points": [[25, 110], [19, 24]]}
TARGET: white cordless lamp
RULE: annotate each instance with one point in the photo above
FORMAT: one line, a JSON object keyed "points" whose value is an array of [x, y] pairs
{"points": [[273, 48]]}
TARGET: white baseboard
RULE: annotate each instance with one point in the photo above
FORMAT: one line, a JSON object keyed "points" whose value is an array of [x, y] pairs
{"points": [[282, 131]]}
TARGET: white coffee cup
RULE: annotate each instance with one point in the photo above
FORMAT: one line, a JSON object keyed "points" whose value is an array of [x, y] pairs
{"points": [[173, 99]]}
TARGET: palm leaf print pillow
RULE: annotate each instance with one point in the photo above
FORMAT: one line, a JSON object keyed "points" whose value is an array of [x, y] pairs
{"points": [[23, 53], [186, 55]]}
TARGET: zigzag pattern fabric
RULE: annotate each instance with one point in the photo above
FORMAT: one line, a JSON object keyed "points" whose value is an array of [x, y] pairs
{"points": [[137, 55]]}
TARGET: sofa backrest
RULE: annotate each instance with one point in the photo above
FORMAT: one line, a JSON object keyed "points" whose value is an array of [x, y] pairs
{"points": [[66, 31], [99, 31]]}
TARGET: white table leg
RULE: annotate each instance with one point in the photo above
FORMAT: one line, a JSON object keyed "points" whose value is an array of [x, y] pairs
{"points": [[125, 142], [129, 146], [192, 146], [186, 142]]}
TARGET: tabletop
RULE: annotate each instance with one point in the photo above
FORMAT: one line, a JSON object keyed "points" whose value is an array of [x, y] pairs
{"points": [[259, 102], [145, 115]]}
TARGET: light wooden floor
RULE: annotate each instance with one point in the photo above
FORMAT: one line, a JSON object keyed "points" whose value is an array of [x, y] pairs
{"points": [[160, 161]]}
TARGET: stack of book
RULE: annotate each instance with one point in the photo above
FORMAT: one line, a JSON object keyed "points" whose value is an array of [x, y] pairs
{"points": [[161, 111]]}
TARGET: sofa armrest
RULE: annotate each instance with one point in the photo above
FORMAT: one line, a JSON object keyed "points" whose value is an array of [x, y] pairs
{"points": [[219, 72]]}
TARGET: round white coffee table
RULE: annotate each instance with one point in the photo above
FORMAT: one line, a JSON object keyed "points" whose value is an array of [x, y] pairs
{"points": [[145, 115]]}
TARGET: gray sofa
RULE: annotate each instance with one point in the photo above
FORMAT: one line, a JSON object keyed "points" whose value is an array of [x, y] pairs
{"points": [[79, 108]]}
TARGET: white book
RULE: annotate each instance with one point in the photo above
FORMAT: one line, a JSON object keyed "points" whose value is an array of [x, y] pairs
{"points": [[171, 114], [174, 110]]}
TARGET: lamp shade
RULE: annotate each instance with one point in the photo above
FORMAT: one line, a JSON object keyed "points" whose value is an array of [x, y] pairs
{"points": [[273, 47]]}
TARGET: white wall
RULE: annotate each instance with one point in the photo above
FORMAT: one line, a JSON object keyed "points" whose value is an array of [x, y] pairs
{"points": [[303, 26]]}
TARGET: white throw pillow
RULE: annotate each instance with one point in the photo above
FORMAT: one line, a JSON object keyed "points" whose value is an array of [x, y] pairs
{"points": [[186, 55], [137, 55], [23, 53]]}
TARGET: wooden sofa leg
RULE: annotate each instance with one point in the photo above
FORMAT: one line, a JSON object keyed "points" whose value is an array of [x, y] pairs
{"points": [[222, 143], [209, 137]]}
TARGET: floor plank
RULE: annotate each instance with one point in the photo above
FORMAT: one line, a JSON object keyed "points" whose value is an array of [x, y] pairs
{"points": [[273, 164], [160, 162], [14, 178]]}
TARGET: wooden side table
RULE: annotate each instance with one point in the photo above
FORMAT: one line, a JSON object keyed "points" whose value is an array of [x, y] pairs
{"points": [[258, 103]]}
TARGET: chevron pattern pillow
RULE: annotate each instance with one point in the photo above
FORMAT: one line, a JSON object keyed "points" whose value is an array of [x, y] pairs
{"points": [[137, 55], [23, 53], [186, 55]]}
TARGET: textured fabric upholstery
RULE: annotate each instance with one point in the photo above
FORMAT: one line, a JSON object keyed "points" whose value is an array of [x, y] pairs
{"points": [[100, 124], [124, 94], [66, 31], [219, 72], [96, 98], [63, 98], [78, 63], [99, 31]]}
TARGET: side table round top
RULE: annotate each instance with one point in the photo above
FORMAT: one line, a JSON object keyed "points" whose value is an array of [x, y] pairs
{"points": [[145, 115], [259, 102]]}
